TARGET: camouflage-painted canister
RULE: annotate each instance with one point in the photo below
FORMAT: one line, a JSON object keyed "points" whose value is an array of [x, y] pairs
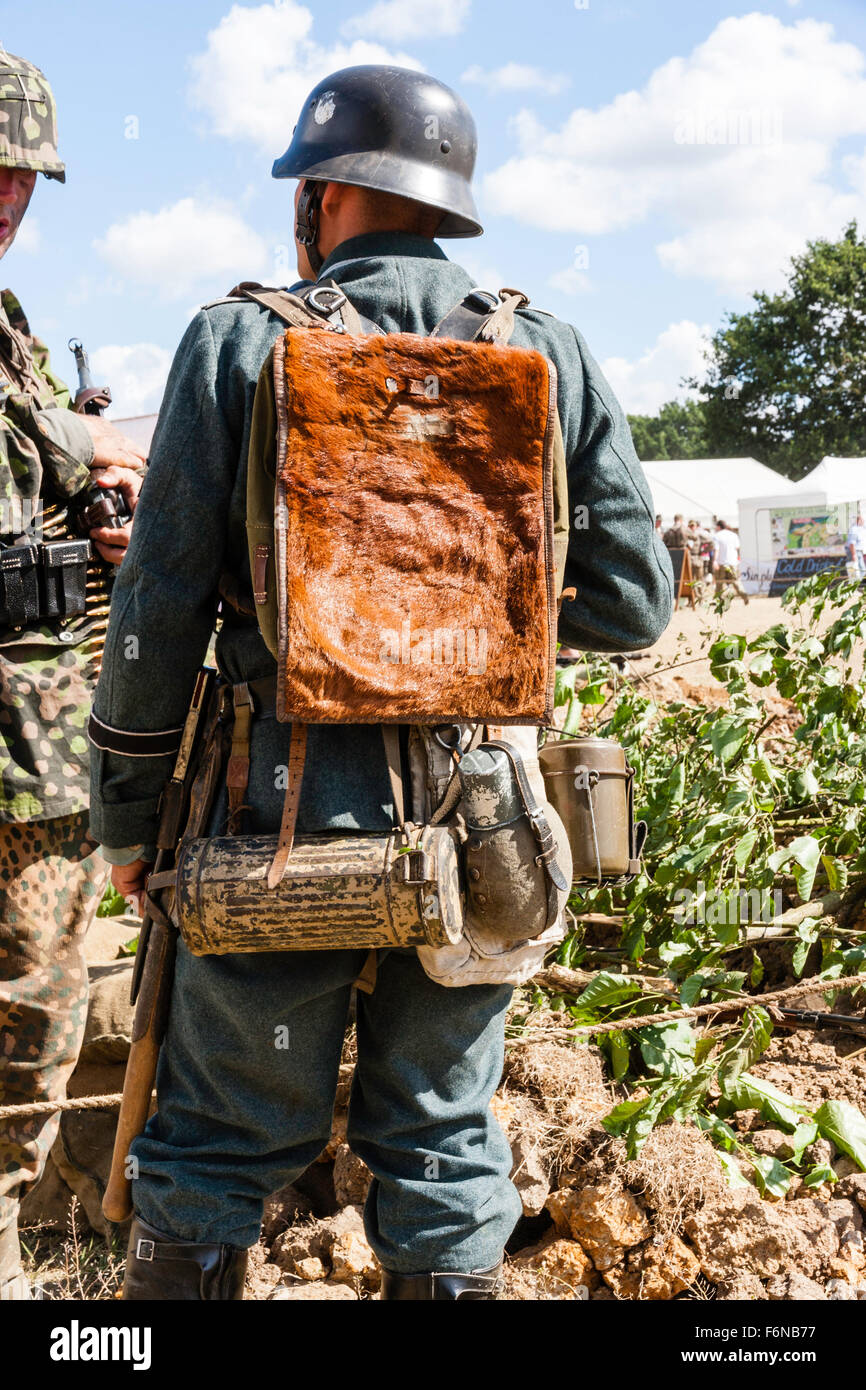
{"points": [[589, 782], [507, 889], [338, 891]]}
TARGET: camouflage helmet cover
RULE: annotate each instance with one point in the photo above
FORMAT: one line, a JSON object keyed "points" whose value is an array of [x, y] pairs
{"points": [[28, 119]]}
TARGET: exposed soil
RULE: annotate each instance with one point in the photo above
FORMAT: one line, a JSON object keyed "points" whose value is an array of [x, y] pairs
{"points": [[596, 1225]]}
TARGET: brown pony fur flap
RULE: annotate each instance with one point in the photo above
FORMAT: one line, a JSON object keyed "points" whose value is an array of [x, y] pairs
{"points": [[415, 530]]}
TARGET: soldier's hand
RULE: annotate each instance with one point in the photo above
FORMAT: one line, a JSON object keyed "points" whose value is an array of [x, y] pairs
{"points": [[111, 542], [129, 880], [110, 446]]}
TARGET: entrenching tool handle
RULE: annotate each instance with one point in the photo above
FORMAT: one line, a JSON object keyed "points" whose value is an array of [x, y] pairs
{"points": [[154, 970], [151, 1014], [138, 1085]]}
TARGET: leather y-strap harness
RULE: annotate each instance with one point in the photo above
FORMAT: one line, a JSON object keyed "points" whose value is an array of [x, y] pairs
{"points": [[481, 317]]}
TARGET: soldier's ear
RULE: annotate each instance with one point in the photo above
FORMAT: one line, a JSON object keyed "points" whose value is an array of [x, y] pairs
{"points": [[333, 195]]}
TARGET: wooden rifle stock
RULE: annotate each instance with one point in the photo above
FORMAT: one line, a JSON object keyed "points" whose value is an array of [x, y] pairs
{"points": [[154, 968]]}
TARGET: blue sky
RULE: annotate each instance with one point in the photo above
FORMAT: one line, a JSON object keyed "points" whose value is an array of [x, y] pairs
{"points": [[642, 166]]}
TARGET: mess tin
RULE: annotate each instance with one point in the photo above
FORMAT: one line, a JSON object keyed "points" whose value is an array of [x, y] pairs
{"points": [[591, 785]]}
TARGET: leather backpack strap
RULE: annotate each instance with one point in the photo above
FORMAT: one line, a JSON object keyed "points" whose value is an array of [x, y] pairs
{"points": [[323, 305], [391, 740], [482, 317], [291, 308], [238, 769], [329, 302], [286, 841]]}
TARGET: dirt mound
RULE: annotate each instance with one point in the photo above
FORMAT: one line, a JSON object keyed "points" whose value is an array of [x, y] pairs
{"points": [[813, 1071], [596, 1225]]}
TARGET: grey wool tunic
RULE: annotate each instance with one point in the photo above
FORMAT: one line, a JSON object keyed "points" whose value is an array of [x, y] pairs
{"points": [[190, 527]]}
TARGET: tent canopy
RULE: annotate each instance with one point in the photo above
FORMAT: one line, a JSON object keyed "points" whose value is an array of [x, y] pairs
{"points": [[836, 480], [138, 428], [707, 488]]}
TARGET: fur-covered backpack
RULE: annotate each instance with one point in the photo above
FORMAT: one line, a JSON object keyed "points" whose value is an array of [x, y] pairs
{"points": [[407, 527]]}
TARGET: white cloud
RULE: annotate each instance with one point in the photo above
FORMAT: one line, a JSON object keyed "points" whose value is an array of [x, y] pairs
{"points": [[194, 244], [484, 272], [570, 281], [259, 65], [397, 20], [136, 374], [730, 147], [516, 77], [28, 238], [653, 378]]}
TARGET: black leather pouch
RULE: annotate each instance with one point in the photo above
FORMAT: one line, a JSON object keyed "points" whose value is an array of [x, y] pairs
{"points": [[64, 577], [19, 585]]}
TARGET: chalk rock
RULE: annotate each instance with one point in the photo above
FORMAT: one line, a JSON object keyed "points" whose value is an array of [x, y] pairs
{"points": [[746, 1234], [282, 1210], [854, 1187], [845, 1167], [743, 1288], [820, 1153], [654, 1271], [529, 1175], [607, 1221], [352, 1259], [307, 1291], [840, 1291], [772, 1142], [783, 1288], [560, 1204], [352, 1177], [505, 1111], [561, 1265]]}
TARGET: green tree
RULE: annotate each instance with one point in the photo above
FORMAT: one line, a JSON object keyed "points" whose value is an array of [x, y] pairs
{"points": [[679, 431], [786, 382]]}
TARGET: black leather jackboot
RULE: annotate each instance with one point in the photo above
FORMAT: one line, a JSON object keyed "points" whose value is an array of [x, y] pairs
{"points": [[478, 1283], [159, 1267]]}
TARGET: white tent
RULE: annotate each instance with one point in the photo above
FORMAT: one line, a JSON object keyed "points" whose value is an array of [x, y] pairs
{"points": [[138, 428], [799, 526], [707, 488]]}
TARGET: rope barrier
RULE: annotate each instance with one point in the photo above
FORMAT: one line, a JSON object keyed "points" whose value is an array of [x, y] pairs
{"points": [[741, 1003]]}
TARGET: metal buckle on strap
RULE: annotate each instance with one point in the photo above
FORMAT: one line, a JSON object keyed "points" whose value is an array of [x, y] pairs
{"points": [[144, 1249], [485, 297], [416, 868], [327, 301]]}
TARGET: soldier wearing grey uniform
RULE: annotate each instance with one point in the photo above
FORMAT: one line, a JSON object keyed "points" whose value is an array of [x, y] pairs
{"points": [[238, 1118]]}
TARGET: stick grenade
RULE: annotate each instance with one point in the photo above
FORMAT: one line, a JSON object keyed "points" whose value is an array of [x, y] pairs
{"points": [[154, 964]]}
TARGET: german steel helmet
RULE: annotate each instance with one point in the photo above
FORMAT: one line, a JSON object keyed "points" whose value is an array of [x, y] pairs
{"points": [[28, 119], [391, 129]]}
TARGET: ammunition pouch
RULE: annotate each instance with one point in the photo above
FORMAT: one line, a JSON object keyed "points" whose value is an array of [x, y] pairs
{"points": [[337, 892], [42, 581]]}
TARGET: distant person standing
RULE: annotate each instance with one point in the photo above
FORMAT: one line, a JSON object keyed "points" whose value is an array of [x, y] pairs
{"points": [[726, 561], [658, 521], [695, 539], [856, 545], [675, 537]]}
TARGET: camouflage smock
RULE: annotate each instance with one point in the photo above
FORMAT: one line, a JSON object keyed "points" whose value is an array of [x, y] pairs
{"points": [[47, 672]]}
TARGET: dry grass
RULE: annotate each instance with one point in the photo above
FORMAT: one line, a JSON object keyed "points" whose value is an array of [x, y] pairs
{"points": [[71, 1265]]}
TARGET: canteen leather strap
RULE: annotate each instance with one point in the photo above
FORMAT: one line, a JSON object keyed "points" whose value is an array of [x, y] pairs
{"points": [[285, 844], [547, 846]]}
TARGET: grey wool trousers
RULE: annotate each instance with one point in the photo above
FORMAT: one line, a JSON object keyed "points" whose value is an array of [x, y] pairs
{"points": [[246, 1087]]}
